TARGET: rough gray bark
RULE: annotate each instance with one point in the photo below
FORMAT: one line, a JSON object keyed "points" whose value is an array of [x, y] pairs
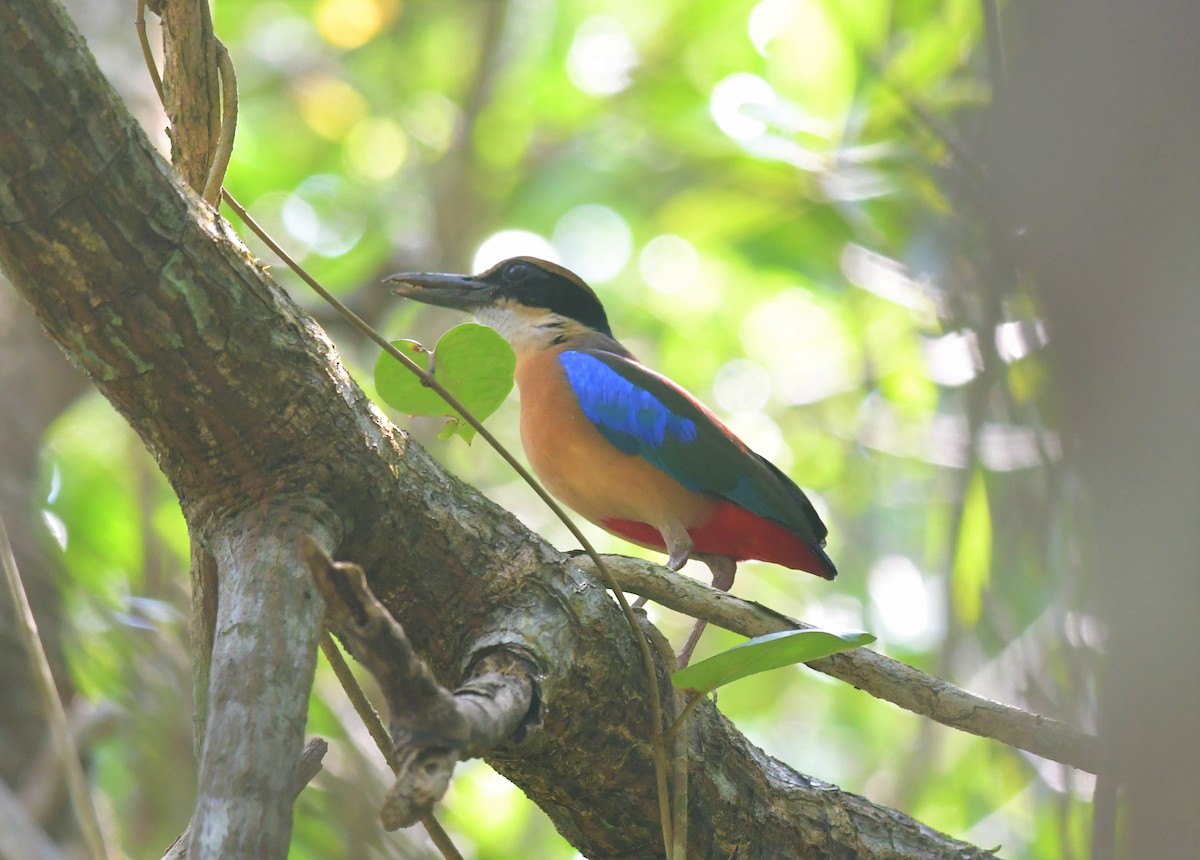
{"points": [[263, 436], [431, 728]]}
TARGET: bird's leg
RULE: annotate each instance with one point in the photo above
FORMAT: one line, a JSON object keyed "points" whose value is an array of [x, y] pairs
{"points": [[723, 569]]}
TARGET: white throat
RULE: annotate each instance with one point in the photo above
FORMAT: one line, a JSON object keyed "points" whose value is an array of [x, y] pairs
{"points": [[523, 328]]}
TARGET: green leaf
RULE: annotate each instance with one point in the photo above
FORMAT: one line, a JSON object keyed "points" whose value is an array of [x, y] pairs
{"points": [[400, 388], [763, 653], [471, 361]]}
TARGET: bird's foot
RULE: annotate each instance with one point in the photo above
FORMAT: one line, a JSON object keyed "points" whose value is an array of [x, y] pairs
{"points": [[677, 560], [723, 570], [679, 545]]}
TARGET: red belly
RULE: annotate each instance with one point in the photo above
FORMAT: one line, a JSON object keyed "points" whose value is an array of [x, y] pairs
{"points": [[737, 533]]}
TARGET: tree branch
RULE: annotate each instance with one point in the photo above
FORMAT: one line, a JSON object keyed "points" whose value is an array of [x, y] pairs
{"points": [[263, 659], [882, 677], [431, 728], [307, 768], [191, 86]]}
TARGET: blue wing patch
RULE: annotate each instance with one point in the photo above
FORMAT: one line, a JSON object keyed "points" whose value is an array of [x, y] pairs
{"points": [[629, 417], [647, 416]]}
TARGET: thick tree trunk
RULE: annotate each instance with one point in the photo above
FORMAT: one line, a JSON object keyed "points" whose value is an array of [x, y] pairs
{"points": [[264, 437]]}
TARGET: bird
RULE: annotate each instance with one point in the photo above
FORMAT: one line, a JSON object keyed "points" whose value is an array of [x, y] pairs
{"points": [[621, 445]]}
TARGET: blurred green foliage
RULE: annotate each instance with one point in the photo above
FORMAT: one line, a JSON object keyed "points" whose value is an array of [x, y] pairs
{"points": [[776, 203]]}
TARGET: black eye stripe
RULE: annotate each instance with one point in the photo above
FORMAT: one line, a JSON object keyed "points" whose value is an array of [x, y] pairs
{"points": [[535, 287]]}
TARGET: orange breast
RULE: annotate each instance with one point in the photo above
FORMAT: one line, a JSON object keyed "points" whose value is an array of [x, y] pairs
{"points": [[581, 468]]}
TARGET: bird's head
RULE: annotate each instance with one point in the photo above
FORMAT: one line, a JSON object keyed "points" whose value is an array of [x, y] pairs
{"points": [[532, 303]]}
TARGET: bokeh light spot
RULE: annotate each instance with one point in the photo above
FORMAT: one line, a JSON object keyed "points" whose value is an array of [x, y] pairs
{"points": [[602, 57], [804, 347], [376, 149], [733, 104], [512, 243], [319, 216], [904, 605], [595, 242], [669, 264], [349, 24], [763, 436], [767, 20], [952, 359], [432, 119], [742, 385], [330, 106]]}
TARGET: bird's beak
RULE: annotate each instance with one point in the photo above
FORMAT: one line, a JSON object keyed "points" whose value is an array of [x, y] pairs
{"points": [[461, 292]]}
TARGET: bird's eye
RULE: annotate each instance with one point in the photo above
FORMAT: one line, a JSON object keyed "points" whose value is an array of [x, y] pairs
{"points": [[516, 272]]}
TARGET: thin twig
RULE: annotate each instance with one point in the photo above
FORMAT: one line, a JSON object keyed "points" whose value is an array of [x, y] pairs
{"points": [[56, 718], [229, 114], [657, 736], [681, 720], [679, 801], [370, 718], [147, 54]]}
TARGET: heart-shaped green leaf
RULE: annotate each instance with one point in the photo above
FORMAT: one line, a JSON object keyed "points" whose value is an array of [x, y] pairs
{"points": [[471, 361], [763, 653], [400, 388]]}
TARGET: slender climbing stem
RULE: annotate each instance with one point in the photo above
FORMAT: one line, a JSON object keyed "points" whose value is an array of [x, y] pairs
{"points": [[370, 718], [60, 734]]}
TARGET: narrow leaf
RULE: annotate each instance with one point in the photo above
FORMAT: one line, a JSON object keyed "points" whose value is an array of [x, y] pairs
{"points": [[763, 653]]}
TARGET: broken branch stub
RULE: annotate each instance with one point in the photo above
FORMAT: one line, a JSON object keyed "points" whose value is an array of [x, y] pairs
{"points": [[431, 728]]}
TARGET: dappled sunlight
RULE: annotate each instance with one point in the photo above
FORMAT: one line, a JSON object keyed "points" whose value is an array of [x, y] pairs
{"points": [[887, 279]]}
